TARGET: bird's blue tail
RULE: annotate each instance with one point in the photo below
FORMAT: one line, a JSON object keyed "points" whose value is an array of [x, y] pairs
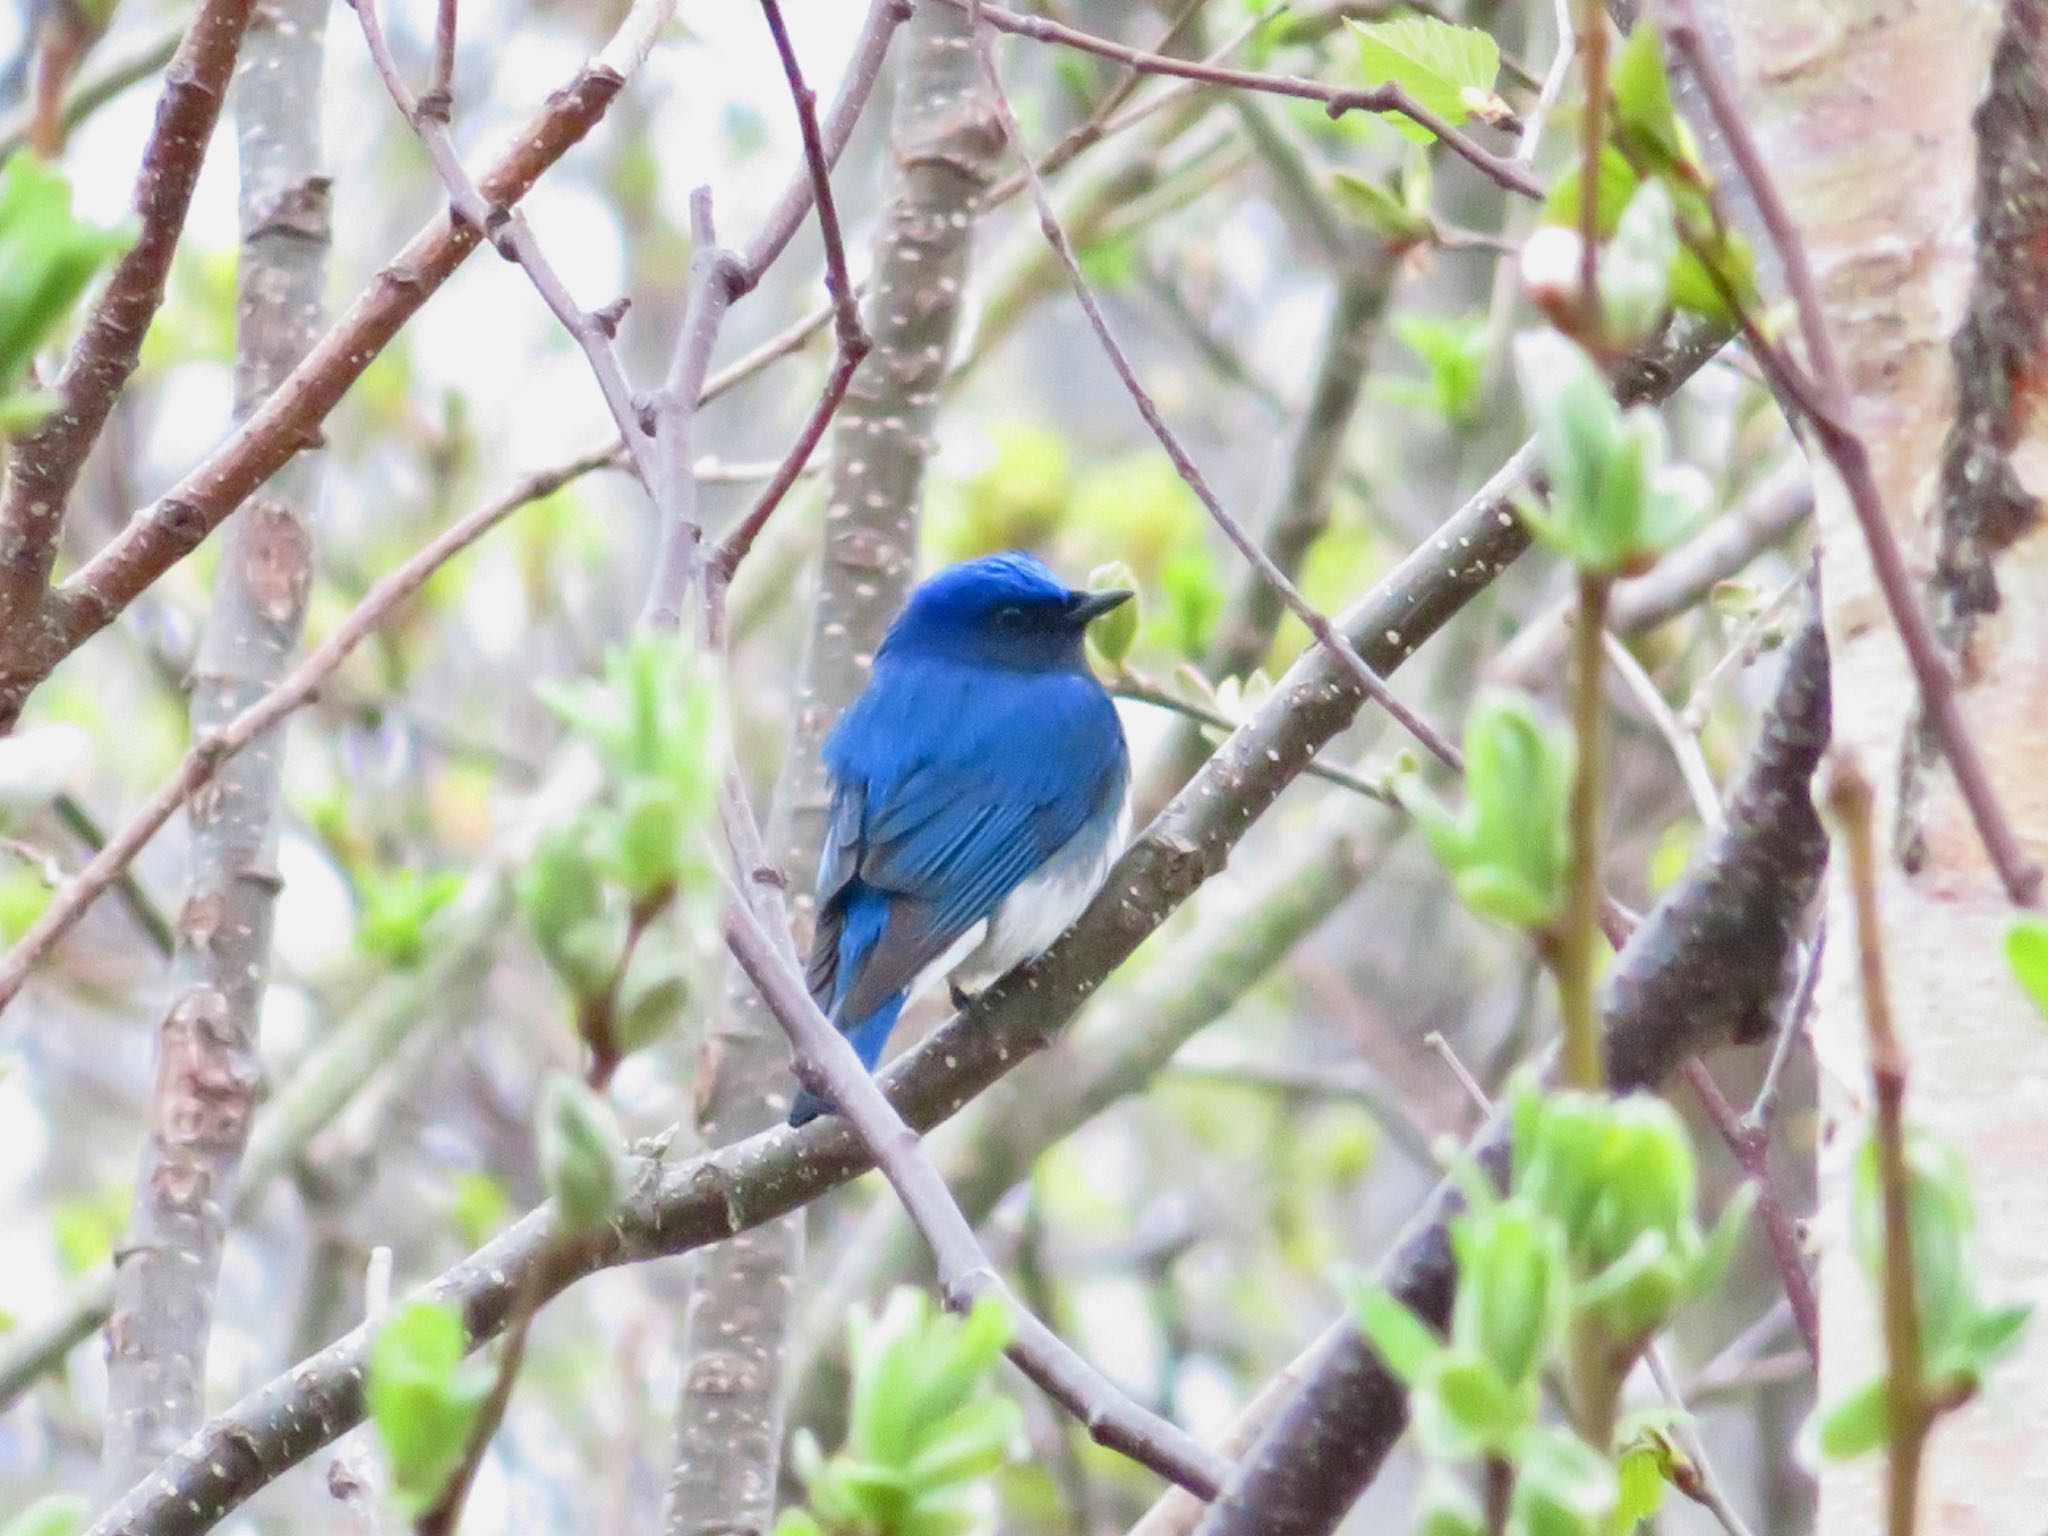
{"points": [[867, 1038]]}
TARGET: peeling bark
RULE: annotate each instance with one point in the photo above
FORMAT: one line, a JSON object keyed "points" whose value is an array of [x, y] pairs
{"points": [[1905, 141], [944, 150], [207, 1073]]}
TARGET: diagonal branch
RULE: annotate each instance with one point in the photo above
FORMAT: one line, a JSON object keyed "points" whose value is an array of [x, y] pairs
{"points": [[965, 1271], [506, 227], [1318, 625], [706, 1199], [44, 465], [288, 421], [1706, 967], [297, 689], [1336, 100]]}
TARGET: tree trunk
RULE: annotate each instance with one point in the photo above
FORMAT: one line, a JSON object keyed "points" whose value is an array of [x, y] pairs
{"points": [[944, 142], [207, 1070], [1925, 218]]}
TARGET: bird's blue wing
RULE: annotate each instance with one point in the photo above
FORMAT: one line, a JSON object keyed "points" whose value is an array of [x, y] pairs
{"points": [[949, 789]]}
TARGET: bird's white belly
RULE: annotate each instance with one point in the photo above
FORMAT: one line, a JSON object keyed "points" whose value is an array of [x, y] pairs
{"points": [[1038, 911]]}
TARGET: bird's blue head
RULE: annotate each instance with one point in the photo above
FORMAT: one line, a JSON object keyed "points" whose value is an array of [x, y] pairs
{"points": [[1004, 611]]}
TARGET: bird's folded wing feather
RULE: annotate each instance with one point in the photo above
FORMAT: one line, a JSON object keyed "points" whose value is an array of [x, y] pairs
{"points": [[947, 832]]}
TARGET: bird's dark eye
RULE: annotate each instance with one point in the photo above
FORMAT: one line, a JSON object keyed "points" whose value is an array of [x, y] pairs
{"points": [[1010, 616]]}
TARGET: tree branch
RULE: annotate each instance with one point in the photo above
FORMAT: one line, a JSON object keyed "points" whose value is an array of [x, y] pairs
{"points": [[1706, 967], [289, 419], [706, 1199], [207, 1062], [1829, 405], [43, 465], [1245, 545], [730, 1405], [298, 688], [965, 1271], [1336, 100]]}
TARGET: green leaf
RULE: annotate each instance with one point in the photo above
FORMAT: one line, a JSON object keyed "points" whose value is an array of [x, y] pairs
{"points": [[423, 1397], [1993, 1334], [1378, 209], [1641, 1489], [1472, 1394], [1563, 1487], [1455, 351], [1446, 1507], [1858, 1424], [2026, 951], [1644, 117], [562, 895], [480, 1207], [971, 1443], [1435, 62], [1613, 191], [397, 906], [46, 259], [579, 1153], [1635, 269], [652, 998], [56, 1514], [1111, 263], [1404, 1341], [1112, 636]]}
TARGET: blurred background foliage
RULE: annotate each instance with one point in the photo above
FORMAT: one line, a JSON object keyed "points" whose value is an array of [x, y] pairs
{"points": [[1186, 1238]]}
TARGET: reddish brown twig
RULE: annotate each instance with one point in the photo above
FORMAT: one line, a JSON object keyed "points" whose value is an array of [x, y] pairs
{"points": [[45, 463], [1909, 1411], [1336, 100], [290, 418], [1245, 544], [297, 689], [853, 343]]}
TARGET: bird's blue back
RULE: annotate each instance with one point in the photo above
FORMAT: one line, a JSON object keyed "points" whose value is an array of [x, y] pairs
{"points": [[981, 748]]}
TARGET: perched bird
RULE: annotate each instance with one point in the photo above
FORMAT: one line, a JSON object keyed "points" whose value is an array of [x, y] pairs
{"points": [[979, 796]]}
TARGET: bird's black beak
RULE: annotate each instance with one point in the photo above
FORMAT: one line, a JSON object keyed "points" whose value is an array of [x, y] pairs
{"points": [[1086, 607]]}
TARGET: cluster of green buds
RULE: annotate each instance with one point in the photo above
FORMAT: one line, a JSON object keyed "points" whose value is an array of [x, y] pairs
{"points": [[655, 722], [1619, 1178], [424, 1390], [1615, 502], [1961, 1336], [47, 258], [925, 1432], [1507, 850], [424, 1393], [1662, 245], [1596, 1232]]}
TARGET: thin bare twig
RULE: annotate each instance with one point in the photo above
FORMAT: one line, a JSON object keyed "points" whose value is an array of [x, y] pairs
{"points": [[1751, 1146], [439, 98], [1685, 747], [1764, 1109], [506, 227], [1317, 624], [298, 689], [852, 341], [289, 419], [43, 465], [714, 284], [1909, 1412], [965, 1272], [1129, 685], [1336, 100], [1828, 402]]}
